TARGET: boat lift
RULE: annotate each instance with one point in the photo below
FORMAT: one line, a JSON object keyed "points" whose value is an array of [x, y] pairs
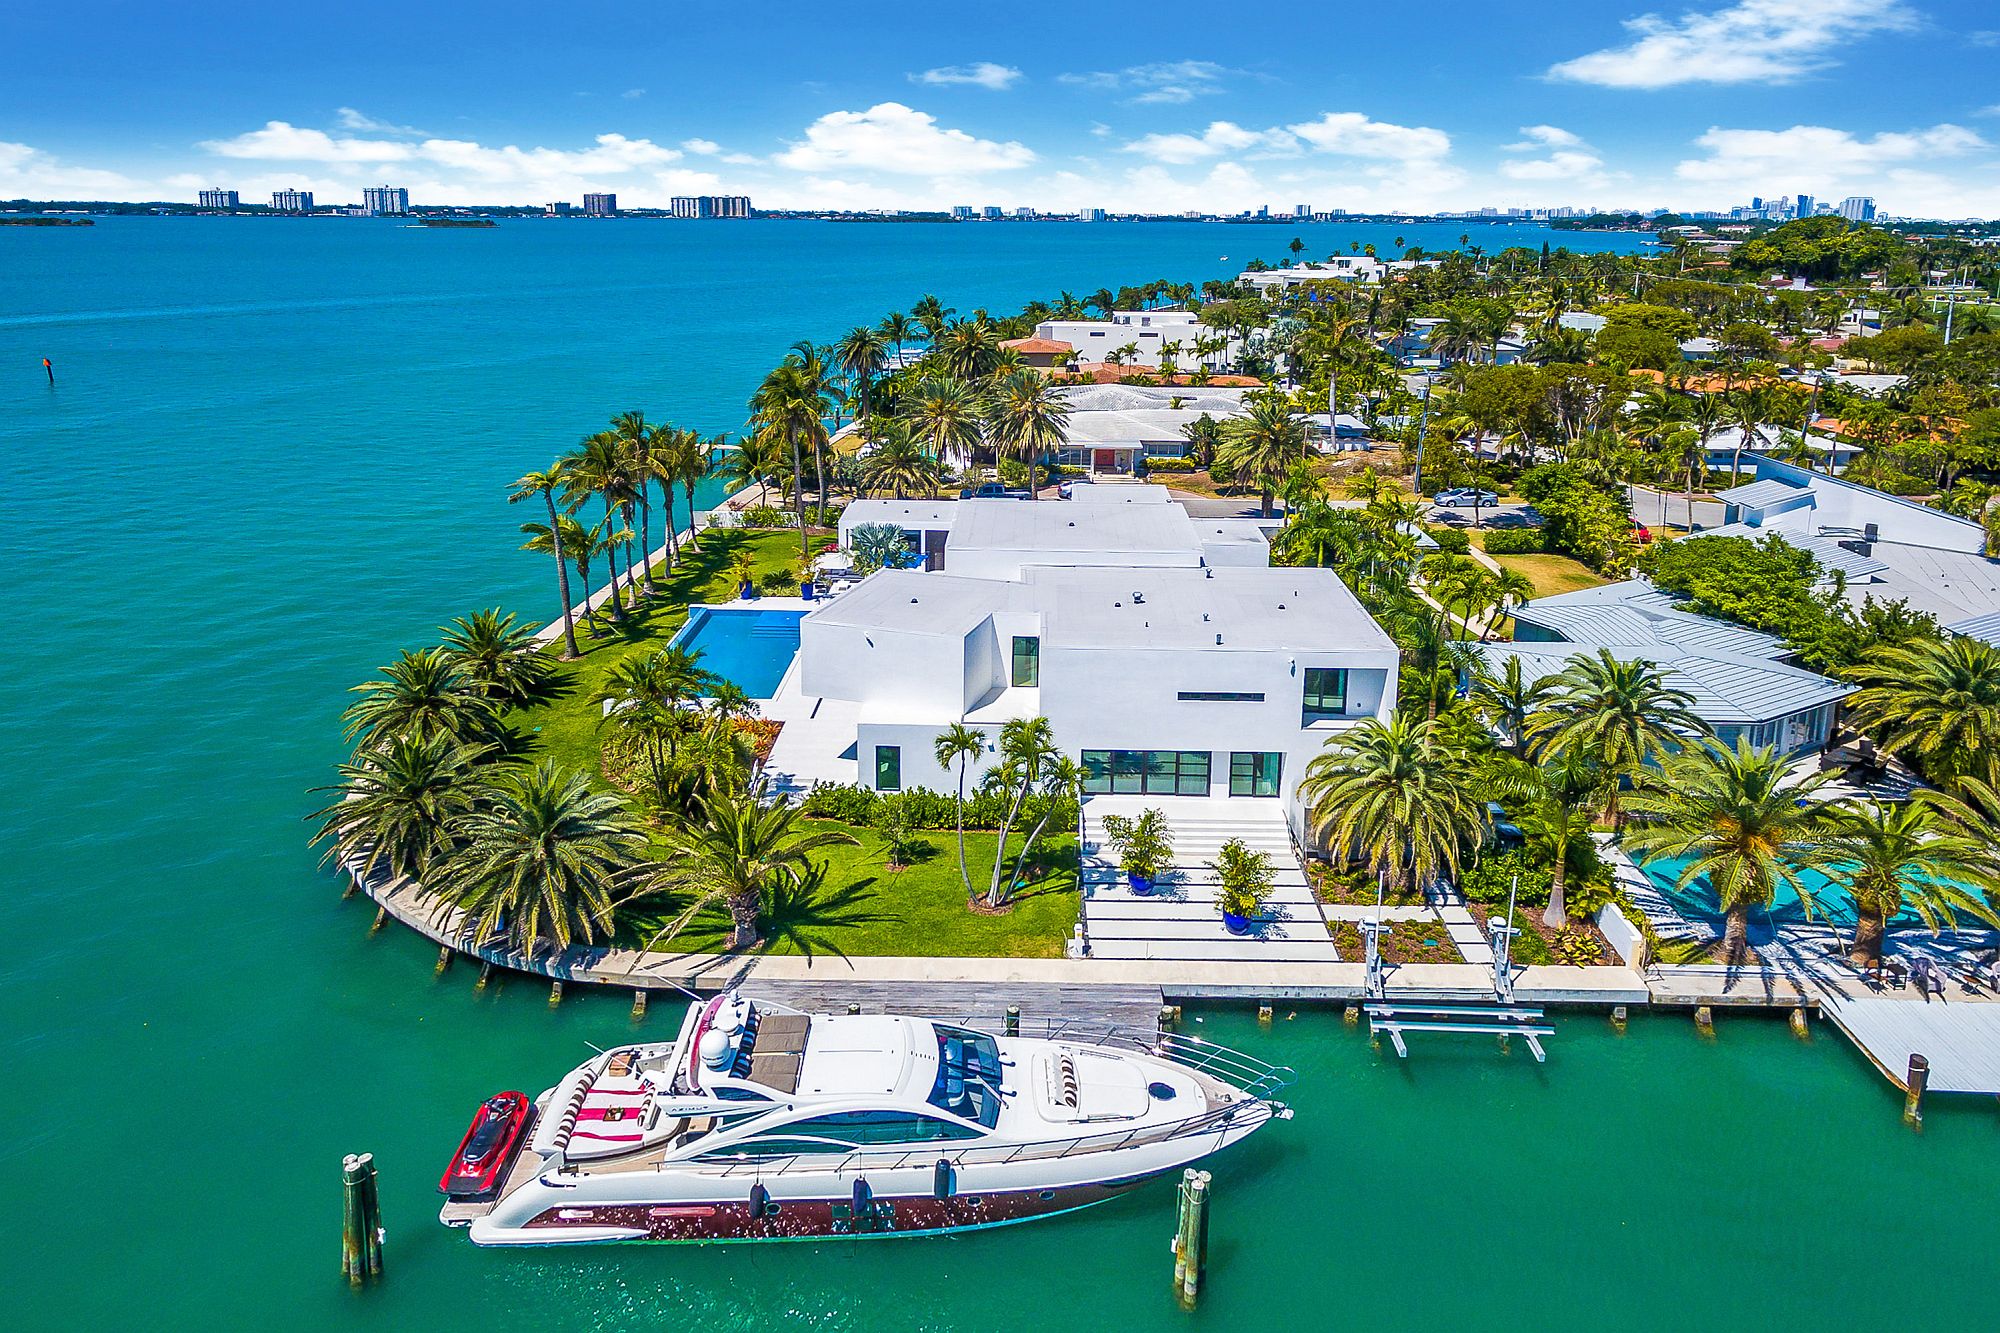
{"points": [[1393, 1020]]}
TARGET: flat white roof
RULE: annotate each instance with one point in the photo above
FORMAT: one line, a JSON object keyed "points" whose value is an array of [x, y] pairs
{"points": [[930, 514], [1066, 529], [1218, 610]]}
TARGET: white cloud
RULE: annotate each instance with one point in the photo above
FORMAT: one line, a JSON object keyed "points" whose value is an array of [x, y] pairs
{"points": [[1220, 137], [1168, 82], [1808, 155], [1352, 134], [1544, 136], [614, 155], [702, 147], [633, 94], [282, 142], [1567, 158], [1768, 41], [895, 138], [29, 173], [347, 118], [979, 74]]}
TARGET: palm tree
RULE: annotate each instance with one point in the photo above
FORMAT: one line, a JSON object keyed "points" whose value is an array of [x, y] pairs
{"points": [[1027, 749], [1028, 416], [957, 746], [1061, 783], [898, 463], [1742, 819], [652, 693], [1553, 802], [943, 414], [635, 439], [1893, 856], [545, 484], [898, 328], [599, 469], [930, 315], [685, 461], [790, 407], [498, 655], [399, 804], [1398, 795], [1937, 704], [541, 856], [735, 850], [1507, 698], [1622, 714], [420, 695], [1262, 444], [860, 353]]}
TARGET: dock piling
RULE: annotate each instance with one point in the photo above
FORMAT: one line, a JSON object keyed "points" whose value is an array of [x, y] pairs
{"points": [[1798, 1021], [555, 994], [1619, 1018], [353, 1224], [444, 959], [1351, 1015], [1263, 1015], [1170, 1017], [1013, 1022], [1191, 1237], [381, 920], [485, 975], [371, 1215], [1704, 1020], [638, 1004], [853, 1008], [1913, 1097]]}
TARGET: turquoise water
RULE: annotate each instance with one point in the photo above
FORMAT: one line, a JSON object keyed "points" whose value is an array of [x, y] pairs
{"points": [[750, 649], [276, 453]]}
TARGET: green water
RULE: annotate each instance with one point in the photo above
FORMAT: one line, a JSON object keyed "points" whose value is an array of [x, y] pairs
{"points": [[275, 454]]}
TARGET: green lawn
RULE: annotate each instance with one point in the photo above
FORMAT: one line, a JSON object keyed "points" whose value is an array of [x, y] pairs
{"points": [[567, 728], [864, 908], [1551, 574]]}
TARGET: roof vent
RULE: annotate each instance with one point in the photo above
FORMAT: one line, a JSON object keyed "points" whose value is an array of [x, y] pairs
{"points": [[1138, 599], [1208, 573], [1218, 640], [1281, 606], [913, 601]]}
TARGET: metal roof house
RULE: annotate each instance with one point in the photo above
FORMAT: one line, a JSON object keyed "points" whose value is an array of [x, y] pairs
{"points": [[1740, 686]]}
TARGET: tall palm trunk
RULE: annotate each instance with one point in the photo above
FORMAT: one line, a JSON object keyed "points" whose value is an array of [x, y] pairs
{"points": [[993, 898], [646, 539], [799, 496], [667, 534], [611, 557], [1556, 915], [964, 874], [1869, 928], [562, 575], [687, 488], [743, 910], [1736, 934]]}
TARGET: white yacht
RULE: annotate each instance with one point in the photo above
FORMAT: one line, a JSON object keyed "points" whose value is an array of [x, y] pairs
{"points": [[760, 1122]]}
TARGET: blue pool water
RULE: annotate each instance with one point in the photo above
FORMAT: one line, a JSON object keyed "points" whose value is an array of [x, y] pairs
{"points": [[750, 649], [1831, 905]]}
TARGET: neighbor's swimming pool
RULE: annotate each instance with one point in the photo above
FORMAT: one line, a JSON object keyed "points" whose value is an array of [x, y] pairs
{"points": [[749, 648], [1830, 901]]}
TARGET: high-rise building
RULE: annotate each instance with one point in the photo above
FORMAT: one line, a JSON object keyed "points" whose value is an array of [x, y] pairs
{"points": [[220, 199], [1302, 210], [1858, 208], [991, 212], [961, 211], [1804, 207], [600, 205], [710, 206], [1090, 215], [291, 201], [558, 208], [385, 201]]}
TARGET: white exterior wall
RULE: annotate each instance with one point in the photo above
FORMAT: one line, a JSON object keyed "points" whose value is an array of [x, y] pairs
{"points": [[992, 562], [920, 671], [1095, 339]]}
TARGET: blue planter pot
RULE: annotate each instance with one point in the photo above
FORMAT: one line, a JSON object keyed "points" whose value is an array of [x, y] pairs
{"points": [[806, 591], [746, 590], [1139, 884], [1234, 924]]}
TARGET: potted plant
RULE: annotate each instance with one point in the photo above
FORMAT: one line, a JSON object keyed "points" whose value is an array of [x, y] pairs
{"points": [[1145, 848], [1245, 878], [743, 572]]}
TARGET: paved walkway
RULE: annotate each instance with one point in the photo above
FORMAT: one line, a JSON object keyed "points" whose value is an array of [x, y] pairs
{"points": [[1179, 919]]}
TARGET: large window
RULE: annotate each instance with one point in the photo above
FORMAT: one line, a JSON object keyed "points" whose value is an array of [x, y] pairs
{"points": [[888, 768], [1148, 772], [1255, 773], [1326, 693], [1027, 661]]}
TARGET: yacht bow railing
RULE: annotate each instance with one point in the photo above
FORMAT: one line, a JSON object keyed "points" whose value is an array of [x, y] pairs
{"points": [[1239, 1069], [1221, 1121]]}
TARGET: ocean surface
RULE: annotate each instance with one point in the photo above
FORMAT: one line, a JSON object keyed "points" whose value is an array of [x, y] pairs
{"points": [[277, 451]]}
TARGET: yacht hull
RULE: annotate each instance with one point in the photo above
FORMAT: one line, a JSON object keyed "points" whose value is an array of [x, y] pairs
{"points": [[808, 1219]]}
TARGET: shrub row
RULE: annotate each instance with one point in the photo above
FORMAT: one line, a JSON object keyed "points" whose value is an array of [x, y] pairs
{"points": [[851, 803], [1515, 541], [1450, 540], [1170, 465]]}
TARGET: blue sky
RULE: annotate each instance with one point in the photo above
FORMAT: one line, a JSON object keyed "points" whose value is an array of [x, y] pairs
{"points": [[1216, 106]]}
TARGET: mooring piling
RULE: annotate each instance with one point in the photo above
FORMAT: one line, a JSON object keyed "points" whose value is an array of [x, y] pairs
{"points": [[638, 1004], [1918, 1079], [1012, 1025], [371, 1214], [1191, 1236], [1170, 1016], [1798, 1022], [444, 959], [1704, 1020], [1351, 1015], [1263, 1015], [354, 1220], [555, 993], [381, 920], [1619, 1018], [485, 975]]}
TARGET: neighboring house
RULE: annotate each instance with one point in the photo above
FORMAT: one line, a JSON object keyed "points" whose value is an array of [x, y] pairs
{"points": [[1699, 349], [1739, 683], [1144, 331], [1111, 427], [1363, 269], [1412, 347], [1583, 320], [1167, 655], [1041, 353], [1725, 444]]}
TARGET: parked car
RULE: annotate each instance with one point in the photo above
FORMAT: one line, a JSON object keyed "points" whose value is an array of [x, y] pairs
{"points": [[1641, 533], [1467, 497]]}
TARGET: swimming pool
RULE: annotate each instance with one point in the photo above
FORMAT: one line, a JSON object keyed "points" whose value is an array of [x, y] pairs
{"points": [[749, 648], [1831, 905]]}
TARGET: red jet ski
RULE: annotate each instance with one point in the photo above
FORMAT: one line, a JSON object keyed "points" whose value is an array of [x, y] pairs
{"points": [[496, 1134]]}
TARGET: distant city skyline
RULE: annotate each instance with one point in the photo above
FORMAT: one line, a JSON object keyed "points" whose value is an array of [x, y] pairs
{"points": [[1147, 108]]}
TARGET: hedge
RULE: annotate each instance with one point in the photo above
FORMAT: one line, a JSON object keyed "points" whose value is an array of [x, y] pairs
{"points": [[1516, 541], [1450, 540], [851, 803], [1170, 465]]}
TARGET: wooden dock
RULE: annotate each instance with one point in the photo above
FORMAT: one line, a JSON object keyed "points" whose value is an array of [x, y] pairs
{"points": [[977, 1004], [1960, 1038]]}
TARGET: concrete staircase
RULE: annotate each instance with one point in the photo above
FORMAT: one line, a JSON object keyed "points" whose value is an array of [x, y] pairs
{"points": [[1179, 920]]}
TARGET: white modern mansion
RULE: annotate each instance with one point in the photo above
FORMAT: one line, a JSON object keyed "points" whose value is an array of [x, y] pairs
{"points": [[1168, 655], [1138, 336]]}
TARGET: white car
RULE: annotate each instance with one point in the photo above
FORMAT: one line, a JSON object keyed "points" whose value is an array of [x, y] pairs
{"points": [[1464, 496]]}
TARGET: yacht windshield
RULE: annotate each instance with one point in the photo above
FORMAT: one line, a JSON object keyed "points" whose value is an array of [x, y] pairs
{"points": [[968, 1081]]}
